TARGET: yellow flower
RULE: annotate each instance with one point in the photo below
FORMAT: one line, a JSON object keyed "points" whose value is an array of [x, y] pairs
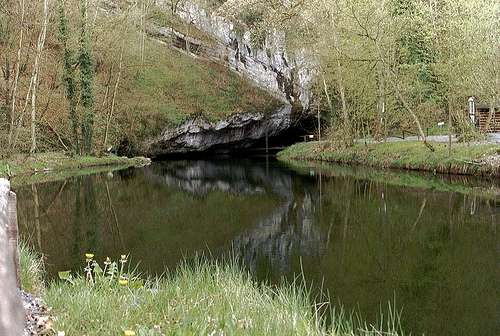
{"points": [[89, 255], [123, 282], [129, 333]]}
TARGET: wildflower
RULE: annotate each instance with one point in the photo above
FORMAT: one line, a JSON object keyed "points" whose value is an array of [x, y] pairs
{"points": [[89, 255], [129, 333], [107, 262], [123, 281]]}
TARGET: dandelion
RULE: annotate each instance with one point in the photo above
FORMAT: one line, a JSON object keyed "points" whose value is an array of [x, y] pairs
{"points": [[129, 333], [107, 262], [123, 281], [89, 255], [123, 260]]}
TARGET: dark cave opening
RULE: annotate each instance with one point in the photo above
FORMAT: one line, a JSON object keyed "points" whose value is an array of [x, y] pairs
{"points": [[300, 131]]}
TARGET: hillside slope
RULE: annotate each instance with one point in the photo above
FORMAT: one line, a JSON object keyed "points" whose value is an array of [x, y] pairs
{"points": [[157, 89]]}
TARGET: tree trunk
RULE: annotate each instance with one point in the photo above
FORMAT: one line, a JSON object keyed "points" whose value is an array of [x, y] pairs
{"points": [[16, 77], [40, 45], [328, 98], [341, 88], [449, 127], [115, 90], [413, 115]]}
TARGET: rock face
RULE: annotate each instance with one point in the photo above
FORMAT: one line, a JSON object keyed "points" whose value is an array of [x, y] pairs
{"points": [[238, 131], [269, 66]]}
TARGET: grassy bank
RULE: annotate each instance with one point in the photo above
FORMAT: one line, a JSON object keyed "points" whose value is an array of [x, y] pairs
{"points": [[411, 155], [203, 298], [463, 184], [42, 165]]}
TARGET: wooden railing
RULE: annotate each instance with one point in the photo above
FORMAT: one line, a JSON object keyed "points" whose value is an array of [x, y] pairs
{"points": [[11, 309]]}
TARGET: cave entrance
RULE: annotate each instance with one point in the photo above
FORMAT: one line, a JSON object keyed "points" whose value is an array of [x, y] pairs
{"points": [[300, 131], [304, 130]]}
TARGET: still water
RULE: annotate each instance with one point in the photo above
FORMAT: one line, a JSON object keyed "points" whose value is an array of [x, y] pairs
{"points": [[364, 241]]}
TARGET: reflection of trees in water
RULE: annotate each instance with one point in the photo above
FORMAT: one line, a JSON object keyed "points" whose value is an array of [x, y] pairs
{"points": [[365, 241]]}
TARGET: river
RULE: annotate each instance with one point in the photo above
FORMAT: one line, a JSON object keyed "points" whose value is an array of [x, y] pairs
{"points": [[431, 252]]}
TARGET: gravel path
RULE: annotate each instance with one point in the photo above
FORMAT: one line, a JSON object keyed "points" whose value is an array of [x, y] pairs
{"points": [[492, 138]]}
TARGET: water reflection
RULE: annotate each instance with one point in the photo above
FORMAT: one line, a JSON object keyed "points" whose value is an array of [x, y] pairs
{"points": [[365, 242]]}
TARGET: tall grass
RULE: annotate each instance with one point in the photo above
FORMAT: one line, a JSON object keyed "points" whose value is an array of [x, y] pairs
{"points": [[31, 270], [200, 298]]}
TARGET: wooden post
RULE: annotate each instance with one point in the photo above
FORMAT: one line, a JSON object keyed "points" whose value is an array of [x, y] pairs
{"points": [[11, 309]]}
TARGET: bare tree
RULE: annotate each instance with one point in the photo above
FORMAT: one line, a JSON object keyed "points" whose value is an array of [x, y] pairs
{"points": [[39, 50], [113, 100], [16, 76]]}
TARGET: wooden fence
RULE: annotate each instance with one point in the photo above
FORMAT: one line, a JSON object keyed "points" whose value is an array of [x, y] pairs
{"points": [[11, 309]]}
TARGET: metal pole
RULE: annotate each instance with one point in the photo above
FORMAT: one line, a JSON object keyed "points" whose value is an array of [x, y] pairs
{"points": [[267, 142]]}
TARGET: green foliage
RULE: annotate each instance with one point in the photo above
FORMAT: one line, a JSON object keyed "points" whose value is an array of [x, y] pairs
{"points": [[86, 64], [85, 90], [69, 76]]}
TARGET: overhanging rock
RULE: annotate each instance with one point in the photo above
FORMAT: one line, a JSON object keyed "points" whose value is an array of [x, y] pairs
{"points": [[238, 131]]}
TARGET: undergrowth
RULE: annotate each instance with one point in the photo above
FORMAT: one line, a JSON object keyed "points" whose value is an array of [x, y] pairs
{"points": [[200, 298]]}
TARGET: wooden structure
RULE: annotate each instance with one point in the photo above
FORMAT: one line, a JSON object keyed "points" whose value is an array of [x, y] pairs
{"points": [[484, 117], [488, 122], [11, 309]]}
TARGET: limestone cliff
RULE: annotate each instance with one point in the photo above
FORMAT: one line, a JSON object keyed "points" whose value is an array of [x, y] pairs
{"points": [[269, 66]]}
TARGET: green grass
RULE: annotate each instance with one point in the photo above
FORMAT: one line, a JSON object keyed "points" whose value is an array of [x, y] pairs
{"points": [[31, 270], [411, 155], [200, 298], [468, 185], [22, 166], [173, 87]]}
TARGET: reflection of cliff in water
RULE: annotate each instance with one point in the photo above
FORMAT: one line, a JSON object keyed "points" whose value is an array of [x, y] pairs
{"points": [[289, 230]]}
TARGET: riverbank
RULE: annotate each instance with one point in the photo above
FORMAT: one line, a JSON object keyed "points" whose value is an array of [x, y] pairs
{"points": [[481, 160], [200, 298], [43, 166], [488, 188]]}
